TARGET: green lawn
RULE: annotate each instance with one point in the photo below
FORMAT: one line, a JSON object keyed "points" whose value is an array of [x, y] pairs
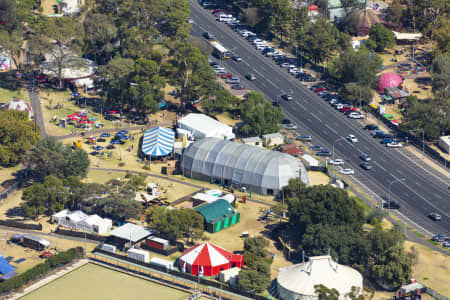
{"points": [[98, 283]]}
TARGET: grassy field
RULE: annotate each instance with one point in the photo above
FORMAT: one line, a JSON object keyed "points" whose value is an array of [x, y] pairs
{"points": [[7, 95], [96, 282]]}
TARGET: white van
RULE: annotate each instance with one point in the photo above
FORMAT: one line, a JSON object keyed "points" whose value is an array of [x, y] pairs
{"points": [[225, 18]]}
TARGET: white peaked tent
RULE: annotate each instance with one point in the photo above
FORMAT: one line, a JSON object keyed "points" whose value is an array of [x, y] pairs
{"points": [[297, 282]]}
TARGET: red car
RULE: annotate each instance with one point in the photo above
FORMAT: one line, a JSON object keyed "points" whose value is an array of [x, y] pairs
{"points": [[346, 108], [216, 11], [46, 254], [319, 90]]}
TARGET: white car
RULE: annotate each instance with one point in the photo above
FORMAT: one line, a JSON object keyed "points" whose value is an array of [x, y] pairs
{"points": [[190, 21], [294, 71], [336, 162], [339, 106], [352, 138], [347, 171], [355, 115], [394, 145]]}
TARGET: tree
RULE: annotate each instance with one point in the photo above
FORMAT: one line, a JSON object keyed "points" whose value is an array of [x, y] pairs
{"points": [[387, 262], [51, 157], [380, 38], [100, 34], [395, 12], [223, 101], [17, 135], [441, 36], [356, 94], [49, 197], [11, 43], [356, 67], [440, 74], [56, 37], [259, 116], [423, 15], [324, 293], [319, 41]]}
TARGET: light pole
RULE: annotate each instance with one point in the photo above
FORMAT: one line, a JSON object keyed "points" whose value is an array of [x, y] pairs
{"points": [[332, 151], [389, 190], [423, 140]]}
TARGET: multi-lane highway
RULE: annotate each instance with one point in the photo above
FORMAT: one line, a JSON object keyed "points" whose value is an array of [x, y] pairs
{"points": [[423, 191]]}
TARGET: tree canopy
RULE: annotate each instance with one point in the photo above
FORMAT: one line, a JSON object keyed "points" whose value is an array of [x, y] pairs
{"points": [[380, 38], [259, 116], [17, 135]]}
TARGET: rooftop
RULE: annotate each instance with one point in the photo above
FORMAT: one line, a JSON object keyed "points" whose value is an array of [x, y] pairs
{"points": [[132, 232]]}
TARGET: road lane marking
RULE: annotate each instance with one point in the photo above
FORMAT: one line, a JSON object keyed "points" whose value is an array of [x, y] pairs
{"points": [[335, 132], [379, 166], [312, 114]]}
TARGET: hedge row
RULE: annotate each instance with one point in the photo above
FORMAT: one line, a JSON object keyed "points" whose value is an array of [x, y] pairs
{"points": [[41, 269]]}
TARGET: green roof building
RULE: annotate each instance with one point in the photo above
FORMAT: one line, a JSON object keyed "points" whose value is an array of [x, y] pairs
{"points": [[338, 3], [218, 215]]}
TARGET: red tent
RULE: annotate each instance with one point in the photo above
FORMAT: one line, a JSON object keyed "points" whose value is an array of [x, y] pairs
{"points": [[84, 118], [209, 259], [90, 122]]}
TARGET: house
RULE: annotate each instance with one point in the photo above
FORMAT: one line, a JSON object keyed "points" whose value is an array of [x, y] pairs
{"points": [[273, 139], [128, 233], [291, 149], [253, 141], [218, 215]]}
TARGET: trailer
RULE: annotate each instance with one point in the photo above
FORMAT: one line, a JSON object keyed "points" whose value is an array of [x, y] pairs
{"points": [[157, 243], [139, 255], [109, 248], [167, 264]]}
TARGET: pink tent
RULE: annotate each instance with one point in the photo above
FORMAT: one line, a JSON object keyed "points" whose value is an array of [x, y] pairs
{"points": [[388, 80]]}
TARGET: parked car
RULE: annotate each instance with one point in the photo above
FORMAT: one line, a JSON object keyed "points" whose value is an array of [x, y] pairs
{"points": [[387, 140], [394, 145], [336, 162], [435, 216], [365, 157], [233, 80], [390, 204], [98, 148], [347, 171], [299, 138], [316, 148], [238, 86], [307, 138], [324, 153], [371, 127], [446, 244], [190, 21], [290, 126], [285, 65], [441, 237], [105, 135], [355, 115], [365, 166], [352, 138]]}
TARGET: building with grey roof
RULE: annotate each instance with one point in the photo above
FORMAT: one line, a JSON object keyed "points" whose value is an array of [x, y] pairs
{"points": [[242, 166]]}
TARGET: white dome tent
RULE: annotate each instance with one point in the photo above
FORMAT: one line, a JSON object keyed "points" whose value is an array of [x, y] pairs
{"points": [[297, 282], [19, 105]]}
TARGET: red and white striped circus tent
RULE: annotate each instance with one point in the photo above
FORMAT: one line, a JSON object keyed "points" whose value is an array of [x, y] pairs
{"points": [[209, 259]]}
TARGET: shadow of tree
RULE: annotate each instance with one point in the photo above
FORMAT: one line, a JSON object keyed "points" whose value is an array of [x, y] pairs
{"points": [[9, 81]]}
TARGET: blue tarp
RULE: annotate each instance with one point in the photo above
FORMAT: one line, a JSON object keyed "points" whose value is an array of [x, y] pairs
{"points": [[5, 267], [158, 141]]}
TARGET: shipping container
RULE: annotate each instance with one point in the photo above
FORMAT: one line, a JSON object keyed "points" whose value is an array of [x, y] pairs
{"points": [[139, 255], [158, 243], [109, 248]]}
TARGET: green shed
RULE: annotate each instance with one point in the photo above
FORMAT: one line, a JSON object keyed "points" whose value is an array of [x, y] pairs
{"points": [[218, 215]]}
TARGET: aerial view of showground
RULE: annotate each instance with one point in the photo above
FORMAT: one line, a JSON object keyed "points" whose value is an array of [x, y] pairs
{"points": [[194, 149]]}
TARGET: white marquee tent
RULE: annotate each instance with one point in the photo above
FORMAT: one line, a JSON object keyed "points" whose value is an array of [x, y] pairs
{"points": [[297, 282], [201, 126]]}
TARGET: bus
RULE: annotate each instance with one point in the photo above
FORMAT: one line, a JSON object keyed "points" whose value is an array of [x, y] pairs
{"points": [[220, 51]]}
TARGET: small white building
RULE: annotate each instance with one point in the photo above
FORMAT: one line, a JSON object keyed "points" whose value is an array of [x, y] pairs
{"points": [[160, 262], [309, 161], [444, 143], [95, 224], [69, 7], [253, 141], [273, 139], [78, 220], [229, 275], [202, 126]]}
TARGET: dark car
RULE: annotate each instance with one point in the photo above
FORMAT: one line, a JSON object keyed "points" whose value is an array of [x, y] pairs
{"points": [[276, 103], [287, 97], [208, 35], [250, 77], [110, 147], [98, 148], [441, 238], [365, 157], [366, 166], [371, 127], [316, 148], [115, 142], [238, 86], [105, 135], [387, 140], [435, 216], [324, 153], [391, 204], [286, 121]]}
